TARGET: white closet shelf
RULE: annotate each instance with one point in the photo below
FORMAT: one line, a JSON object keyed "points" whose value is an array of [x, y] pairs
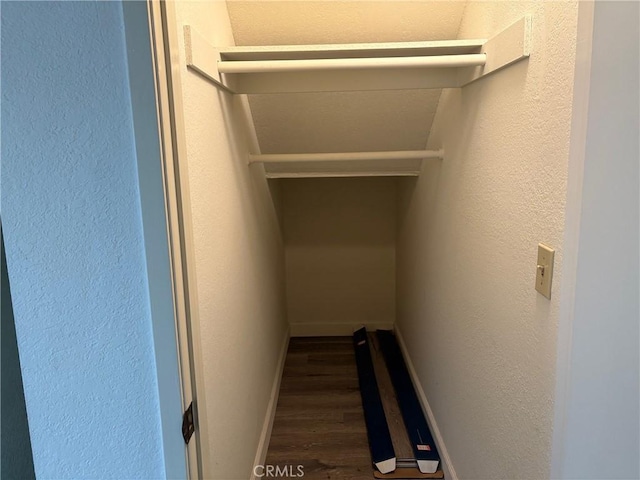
{"points": [[356, 67], [347, 168], [347, 164], [353, 67], [351, 50]]}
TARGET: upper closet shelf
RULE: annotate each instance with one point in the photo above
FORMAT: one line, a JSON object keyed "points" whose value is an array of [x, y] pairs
{"points": [[356, 67]]}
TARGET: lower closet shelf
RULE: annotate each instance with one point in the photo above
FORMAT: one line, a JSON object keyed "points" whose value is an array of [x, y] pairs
{"points": [[347, 168]]}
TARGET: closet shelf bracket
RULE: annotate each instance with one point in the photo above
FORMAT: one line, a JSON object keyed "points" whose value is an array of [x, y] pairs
{"points": [[356, 67]]}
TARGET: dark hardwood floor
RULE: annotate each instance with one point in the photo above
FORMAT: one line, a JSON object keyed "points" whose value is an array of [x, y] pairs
{"points": [[319, 422]]}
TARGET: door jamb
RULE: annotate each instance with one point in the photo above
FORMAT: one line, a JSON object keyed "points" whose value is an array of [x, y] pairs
{"points": [[571, 240], [168, 91]]}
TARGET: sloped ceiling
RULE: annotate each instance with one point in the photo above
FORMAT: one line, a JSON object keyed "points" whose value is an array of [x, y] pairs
{"points": [[343, 121]]}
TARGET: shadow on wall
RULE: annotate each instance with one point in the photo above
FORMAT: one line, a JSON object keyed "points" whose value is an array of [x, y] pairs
{"points": [[275, 190], [17, 458], [408, 191]]}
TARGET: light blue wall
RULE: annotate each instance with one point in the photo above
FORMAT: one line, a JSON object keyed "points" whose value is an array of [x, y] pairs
{"points": [[601, 436], [17, 460], [74, 242]]}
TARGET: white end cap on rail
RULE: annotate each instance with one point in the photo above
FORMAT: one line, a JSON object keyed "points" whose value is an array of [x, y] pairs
{"points": [[508, 47]]}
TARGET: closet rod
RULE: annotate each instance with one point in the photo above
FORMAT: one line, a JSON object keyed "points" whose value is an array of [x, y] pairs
{"points": [[433, 61], [345, 156]]}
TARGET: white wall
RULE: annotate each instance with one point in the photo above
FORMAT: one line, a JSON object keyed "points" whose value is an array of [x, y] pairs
{"points": [[239, 261], [340, 254], [481, 338], [597, 431]]}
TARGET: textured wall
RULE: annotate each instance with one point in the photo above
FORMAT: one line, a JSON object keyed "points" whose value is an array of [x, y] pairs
{"points": [[71, 219], [481, 338], [17, 458], [239, 260], [603, 398], [340, 253], [256, 22]]}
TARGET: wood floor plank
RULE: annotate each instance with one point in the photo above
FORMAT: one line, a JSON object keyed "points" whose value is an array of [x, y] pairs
{"points": [[314, 385], [321, 347], [303, 340], [399, 437], [312, 426], [332, 359], [306, 414], [330, 401], [318, 442], [319, 423], [345, 468], [306, 370]]}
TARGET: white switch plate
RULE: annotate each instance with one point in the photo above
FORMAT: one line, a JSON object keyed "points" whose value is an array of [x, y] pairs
{"points": [[544, 273]]}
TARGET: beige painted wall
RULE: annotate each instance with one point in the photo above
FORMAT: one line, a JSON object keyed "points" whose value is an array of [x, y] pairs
{"points": [[483, 341], [340, 254], [239, 261]]}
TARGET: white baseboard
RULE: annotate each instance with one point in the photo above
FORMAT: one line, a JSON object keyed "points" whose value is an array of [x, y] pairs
{"points": [[267, 426], [333, 329], [447, 466]]}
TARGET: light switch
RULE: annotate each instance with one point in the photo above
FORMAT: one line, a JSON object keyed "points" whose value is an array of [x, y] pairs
{"points": [[544, 272]]}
